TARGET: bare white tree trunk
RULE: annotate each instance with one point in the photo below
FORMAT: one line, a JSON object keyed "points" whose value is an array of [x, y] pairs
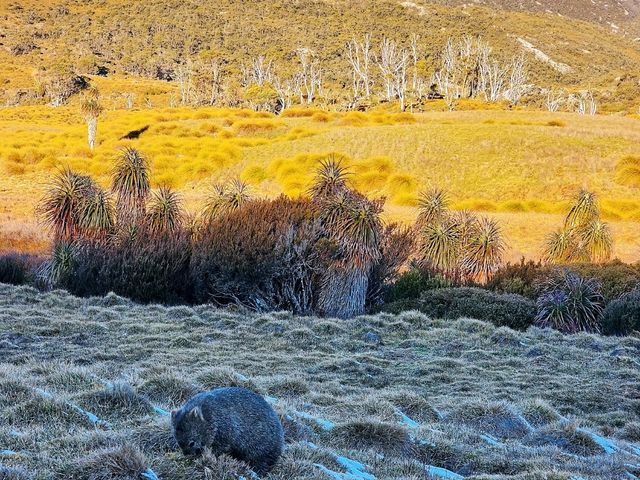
{"points": [[585, 103], [92, 129], [393, 62], [261, 71], [184, 77], [517, 80], [554, 100], [310, 75], [359, 56]]}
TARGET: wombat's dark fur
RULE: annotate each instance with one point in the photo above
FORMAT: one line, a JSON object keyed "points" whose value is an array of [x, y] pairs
{"points": [[232, 420]]}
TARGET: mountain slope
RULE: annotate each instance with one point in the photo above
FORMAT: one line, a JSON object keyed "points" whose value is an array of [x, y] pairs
{"points": [[148, 38]]}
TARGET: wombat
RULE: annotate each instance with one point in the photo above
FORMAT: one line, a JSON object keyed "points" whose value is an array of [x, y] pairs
{"points": [[230, 420]]}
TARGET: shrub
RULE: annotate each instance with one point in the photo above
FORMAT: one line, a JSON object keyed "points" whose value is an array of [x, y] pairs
{"points": [[622, 316], [412, 283], [508, 310], [616, 277], [396, 246], [146, 267], [570, 303], [520, 278], [16, 269], [261, 255]]}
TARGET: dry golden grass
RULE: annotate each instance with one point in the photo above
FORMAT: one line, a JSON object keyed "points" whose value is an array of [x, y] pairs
{"points": [[521, 166]]}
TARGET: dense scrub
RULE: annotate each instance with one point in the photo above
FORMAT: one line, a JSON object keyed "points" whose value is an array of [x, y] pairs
{"points": [[86, 384]]}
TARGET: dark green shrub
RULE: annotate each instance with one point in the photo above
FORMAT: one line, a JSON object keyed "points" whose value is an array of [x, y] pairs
{"points": [[622, 316], [412, 283], [520, 278], [147, 268], [570, 303], [16, 269], [508, 310], [615, 278]]}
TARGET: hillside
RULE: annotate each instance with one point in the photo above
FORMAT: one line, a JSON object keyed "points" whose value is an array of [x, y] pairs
{"points": [[86, 385], [150, 38], [619, 15]]}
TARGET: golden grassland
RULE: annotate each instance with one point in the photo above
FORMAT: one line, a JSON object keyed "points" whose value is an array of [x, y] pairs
{"points": [[522, 166]]}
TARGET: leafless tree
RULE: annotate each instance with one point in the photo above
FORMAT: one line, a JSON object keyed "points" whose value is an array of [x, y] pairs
{"points": [[215, 80], [128, 98], [493, 76], [285, 90], [261, 71], [359, 57], [554, 100], [392, 61], [310, 75], [584, 102], [414, 60], [184, 77], [517, 80]]}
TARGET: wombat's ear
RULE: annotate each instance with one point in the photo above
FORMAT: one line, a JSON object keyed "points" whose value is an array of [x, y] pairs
{"points": [[196, 412]]}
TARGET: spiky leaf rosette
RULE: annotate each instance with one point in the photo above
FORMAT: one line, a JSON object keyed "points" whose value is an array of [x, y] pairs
{"points": [[562, 246], [484, 251], [596, 240], [55, 270], [238, 193], [90, 104], [130, 183], [331, 178], [359, 231], [432, 206], [570, 303], [583, 211], [165, 211], [440, 245], [224, 198], [97, 214], [62, 205]]}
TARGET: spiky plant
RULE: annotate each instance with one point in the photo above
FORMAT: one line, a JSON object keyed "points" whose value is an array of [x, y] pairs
{"points": [[224, 198], [359, 231], [165, 211], [130, 183], [484, 252], [570, 303], [351, 222], [441, 244], [331, 178], [584, 237], [432, 206], [53, 272], [62, 205], [560, 246], [238, 193], [597, 241], [216, 202], [91, 109], [583, 211], [97, 216]]}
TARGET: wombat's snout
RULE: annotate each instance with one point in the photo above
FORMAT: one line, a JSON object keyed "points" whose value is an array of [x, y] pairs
{"points": [[193, 449]]}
